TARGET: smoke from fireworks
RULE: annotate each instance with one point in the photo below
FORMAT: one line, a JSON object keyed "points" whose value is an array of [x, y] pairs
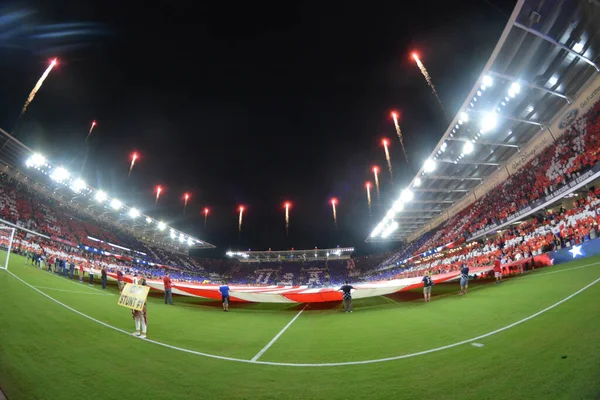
{"points": [[91, 129], [133, 158], [376, 175], [287, 218], [399, 133], [387, 157], [186, 197], [333, 203], [37, 86], [205, 217], [240, 219], [368, 186], [429, 82]]}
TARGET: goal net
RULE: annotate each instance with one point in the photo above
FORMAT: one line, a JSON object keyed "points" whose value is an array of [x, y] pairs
{"points": [[7, 235]]}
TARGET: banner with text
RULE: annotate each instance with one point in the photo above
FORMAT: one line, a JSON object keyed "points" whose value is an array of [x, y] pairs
{"points": [[133, 296]]}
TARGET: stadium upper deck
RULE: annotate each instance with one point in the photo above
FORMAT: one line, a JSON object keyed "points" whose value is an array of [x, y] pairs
{"points": [[541, 65]]}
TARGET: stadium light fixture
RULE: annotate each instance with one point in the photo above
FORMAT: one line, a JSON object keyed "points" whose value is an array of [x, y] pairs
{"points": [[389, 230], [36, 160], [134, 213], [190, 242], [406, 196], [161, 226], [78, 185], [116, 204], [429, 165], [172, 234], [464, 117], [181, 237], [101, 196], [60, 174], [489, 122], [417, 181], [514, 89], [488, 81], [398, 206], [578, 47], [391, 214], [377, 229], [468, 148], [148, 220]]}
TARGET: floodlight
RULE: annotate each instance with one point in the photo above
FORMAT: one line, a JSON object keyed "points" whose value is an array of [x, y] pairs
{"points": [[468, 148], [133, 213], [391, 214], [181, 237], [489, 122], [172, 234], [389, 230], [377, 229], [398, 206], [406, 196], [116, 204], [60, 174], [148, 220], [429, 165], [78, 185], [488, 81], [101, 196], [464, 117], [577, 47], [36, 160], [417, 181], [161, 226], [190, 242]]}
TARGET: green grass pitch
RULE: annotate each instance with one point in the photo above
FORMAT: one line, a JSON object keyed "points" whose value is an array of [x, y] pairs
{"points": [[48, 351]]}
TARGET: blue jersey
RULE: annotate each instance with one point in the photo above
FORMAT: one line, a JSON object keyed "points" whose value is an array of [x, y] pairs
{"points": [[464, 273], [427, 281], [224, 289]]}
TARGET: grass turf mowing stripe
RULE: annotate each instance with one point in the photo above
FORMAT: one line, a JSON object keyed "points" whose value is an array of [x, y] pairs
{"points": [[264, 349], [362, 362], [72, 291]]}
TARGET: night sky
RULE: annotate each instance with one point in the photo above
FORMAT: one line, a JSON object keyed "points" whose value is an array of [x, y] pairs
{"points": [[244, 104]]}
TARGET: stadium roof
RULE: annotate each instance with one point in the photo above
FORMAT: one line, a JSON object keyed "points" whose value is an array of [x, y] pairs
{"points": [[292, 255], [541, 63], [58, 183]]}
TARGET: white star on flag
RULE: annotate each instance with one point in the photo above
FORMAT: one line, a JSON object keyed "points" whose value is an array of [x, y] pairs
{"points": [[576, 251]]}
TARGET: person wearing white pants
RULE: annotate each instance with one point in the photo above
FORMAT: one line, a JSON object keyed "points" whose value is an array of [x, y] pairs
{"points": [[141, 321]]}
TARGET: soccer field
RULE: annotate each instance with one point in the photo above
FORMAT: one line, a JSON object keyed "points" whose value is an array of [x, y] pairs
{"points": [[533, 337]]}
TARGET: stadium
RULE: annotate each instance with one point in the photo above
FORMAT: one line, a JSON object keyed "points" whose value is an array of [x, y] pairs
{"points": [[507, 202]]}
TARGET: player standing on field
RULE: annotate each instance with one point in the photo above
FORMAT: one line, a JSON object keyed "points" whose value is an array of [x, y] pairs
{"points": [[464, 279], [498, 271], [224, 289], [347, 296], [427, 284]]}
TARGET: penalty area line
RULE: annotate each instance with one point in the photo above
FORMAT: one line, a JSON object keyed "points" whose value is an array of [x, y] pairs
{"points": [[264, 349]]}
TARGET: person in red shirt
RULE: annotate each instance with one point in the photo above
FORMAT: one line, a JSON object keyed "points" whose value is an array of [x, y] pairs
{"points": [[498, 271], [168, 286]]}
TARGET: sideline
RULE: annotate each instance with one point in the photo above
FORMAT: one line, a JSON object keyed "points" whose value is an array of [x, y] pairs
{"points": [[260, 353], [333, 364], [72, 291]]}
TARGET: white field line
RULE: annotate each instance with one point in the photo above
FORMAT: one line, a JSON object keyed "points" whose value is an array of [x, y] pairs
{"points": [[72, 291], [260, 353], [320, 364]]}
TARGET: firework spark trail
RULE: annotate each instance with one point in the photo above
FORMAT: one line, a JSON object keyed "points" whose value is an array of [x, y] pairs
{"points": [[399, 133], [430, 83], [240, 219], [186, 197], [376, 175], [205, 217], [388, 158], [133, 158], [368, 185], [287, 218], [37, 86], [91, 129], [158, 190], [333, 203]]}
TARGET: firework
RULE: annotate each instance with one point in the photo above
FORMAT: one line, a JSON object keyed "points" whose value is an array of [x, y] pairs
{"points": [[133, 158], [334, 210], [376, 175], [368, 186], [205, 217], [429, 82], [240, 219], [158, 191], [287, 218], [91, 129], [387, 157], [186, 197], [37, 86], [399, 133]]}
